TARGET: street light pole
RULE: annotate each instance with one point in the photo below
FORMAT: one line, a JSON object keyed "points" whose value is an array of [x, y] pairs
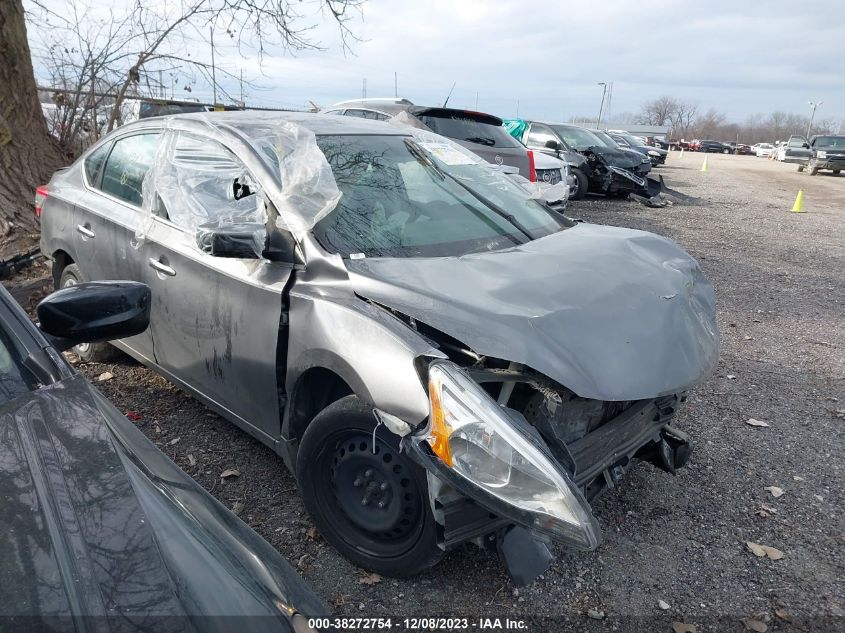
{"points": [[601, 107], [813, 105]]}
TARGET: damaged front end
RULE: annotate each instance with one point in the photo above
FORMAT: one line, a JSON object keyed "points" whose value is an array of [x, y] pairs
{"points": [[515, 457], [616, 181]]}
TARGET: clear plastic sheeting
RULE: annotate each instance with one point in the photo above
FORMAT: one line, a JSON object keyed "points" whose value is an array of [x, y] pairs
{"points": [[217, 176], [543, 191], [308, 188]]}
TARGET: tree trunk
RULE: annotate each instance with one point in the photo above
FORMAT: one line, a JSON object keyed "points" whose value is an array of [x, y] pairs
{"points": [[28, 154]]}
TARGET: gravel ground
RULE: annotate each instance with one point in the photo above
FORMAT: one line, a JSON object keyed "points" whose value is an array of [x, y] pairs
{"points": [[680, 540]]}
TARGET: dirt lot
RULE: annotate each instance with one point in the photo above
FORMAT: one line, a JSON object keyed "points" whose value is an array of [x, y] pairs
{"points": [[682, 540]]}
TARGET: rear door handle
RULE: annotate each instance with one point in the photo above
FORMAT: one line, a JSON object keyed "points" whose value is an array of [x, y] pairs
{"points": [[162, 268], [85, 231]]}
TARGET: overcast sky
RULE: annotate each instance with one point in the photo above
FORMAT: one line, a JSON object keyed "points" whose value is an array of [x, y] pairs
{"points": [[545, 58]]}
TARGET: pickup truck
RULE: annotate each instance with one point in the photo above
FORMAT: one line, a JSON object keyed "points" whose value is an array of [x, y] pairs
{"points": [[826, 152]]}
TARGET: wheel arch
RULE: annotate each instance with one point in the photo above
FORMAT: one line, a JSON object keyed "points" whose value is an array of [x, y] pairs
{"points": [[61, 260]]}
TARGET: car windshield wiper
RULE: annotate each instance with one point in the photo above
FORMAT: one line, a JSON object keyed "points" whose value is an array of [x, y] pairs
{"points": [[421, 156], [482, 140]]}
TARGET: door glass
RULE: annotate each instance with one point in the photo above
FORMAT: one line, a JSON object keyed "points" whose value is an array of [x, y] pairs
{"points": [[15, 378], [126, 166], [207, 189], [538, 135], [94, 164]]}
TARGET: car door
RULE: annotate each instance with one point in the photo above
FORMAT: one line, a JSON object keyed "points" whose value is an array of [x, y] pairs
{"points": [[538, 135], [108, 212], [215, 321]]}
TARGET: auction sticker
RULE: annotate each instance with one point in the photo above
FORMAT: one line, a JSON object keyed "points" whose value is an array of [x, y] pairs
{"points": [[448, 154]]}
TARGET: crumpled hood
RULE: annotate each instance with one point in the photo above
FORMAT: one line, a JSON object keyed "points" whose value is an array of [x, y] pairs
{"points": [[618, 157], [610, 313]]}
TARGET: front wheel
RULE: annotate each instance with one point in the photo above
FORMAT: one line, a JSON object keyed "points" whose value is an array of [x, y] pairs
{"points": [[88, 352], [800, 167], [580, 186], [814, 171], [726, 151], [836, 172], [366, 497]]}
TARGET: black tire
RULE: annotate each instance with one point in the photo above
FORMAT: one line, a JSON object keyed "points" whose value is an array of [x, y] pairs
{"points": [[372, 507], [726, 151], [836, 172], [814, 171], [88, 352], [800, 167], [581, 185]]}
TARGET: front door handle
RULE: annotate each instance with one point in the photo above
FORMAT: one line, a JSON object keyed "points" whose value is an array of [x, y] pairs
{"points": [[84, 231], [162, 268]]}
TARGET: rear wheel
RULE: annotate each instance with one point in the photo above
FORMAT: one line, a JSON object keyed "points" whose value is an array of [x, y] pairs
{"points": [[580, 186], [369, 500], [89, 352], [836, 172]]}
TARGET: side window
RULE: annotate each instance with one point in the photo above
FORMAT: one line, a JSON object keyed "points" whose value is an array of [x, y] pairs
{"points": [[203, 183], [538, 135], [127, 164], [94, 164], [366, 114]]}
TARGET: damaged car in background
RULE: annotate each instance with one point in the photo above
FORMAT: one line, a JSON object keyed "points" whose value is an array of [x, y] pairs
{"points": [[608, 169], [438, 356]]}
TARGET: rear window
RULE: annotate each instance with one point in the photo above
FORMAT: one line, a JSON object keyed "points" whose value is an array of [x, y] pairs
{"points": [[464, 127], [94, 164]]}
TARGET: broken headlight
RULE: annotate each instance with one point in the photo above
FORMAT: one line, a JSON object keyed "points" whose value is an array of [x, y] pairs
{"points": [[477, 440]]}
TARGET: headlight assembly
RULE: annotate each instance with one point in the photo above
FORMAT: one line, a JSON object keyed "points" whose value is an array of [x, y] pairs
{"points": [[651, 152], [514, 476]]}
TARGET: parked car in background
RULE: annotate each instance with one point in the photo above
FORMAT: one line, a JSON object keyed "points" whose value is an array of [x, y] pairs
{"points": [[764, 149], [607, 168], [98, 526], [827, 152], [604, 137], [795, 150], [394, 318], [656, 155], [740, 148], [714, 147]]}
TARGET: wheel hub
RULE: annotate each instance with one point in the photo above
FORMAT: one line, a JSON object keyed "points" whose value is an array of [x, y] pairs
{"points": [[373, 487]]}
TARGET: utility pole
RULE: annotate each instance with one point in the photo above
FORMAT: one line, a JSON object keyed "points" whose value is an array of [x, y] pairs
{"points": [[364, 89], [601, 107], [476, 100], [395, 84], [813, 105], [242, 86], [213, 68]]}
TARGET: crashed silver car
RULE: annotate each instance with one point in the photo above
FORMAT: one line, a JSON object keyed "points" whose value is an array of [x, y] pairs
{"points": [[439, 356]]}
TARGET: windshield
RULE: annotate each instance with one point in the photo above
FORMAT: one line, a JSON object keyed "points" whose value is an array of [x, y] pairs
{"points": [[15, 379], [577, 137], [605, 138], [632, 140], [466, 128], [398, 201], [830, 141]]}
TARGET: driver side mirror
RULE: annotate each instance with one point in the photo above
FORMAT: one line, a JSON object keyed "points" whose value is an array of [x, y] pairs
{"points": [[805, 145], [93, 312], [555, 145]]}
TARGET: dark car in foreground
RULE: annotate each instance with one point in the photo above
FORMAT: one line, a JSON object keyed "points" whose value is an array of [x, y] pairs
{"points": [[439, 356], [100, 531], [656, 155], [714, 147]]}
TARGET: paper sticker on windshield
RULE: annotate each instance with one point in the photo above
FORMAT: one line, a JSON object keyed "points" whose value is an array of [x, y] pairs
{"points": [[448, 154]]}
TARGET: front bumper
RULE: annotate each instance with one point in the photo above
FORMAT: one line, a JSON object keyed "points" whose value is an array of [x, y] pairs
{"points": [[831, 162], [593, 463]]}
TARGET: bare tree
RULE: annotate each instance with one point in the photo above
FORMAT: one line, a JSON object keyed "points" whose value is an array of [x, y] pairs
{"points": [[661, 111], [117, 56]]}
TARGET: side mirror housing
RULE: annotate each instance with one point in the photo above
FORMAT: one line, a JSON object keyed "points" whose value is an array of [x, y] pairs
{"points": [[93, 312], [552, 144], [805, 145], [242, 240]]}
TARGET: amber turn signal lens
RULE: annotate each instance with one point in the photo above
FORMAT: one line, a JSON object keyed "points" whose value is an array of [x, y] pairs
{"points": [[438, 438]]}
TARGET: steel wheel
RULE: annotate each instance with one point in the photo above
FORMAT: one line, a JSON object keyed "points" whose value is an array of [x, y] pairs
{"points": [[367, 498]]}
